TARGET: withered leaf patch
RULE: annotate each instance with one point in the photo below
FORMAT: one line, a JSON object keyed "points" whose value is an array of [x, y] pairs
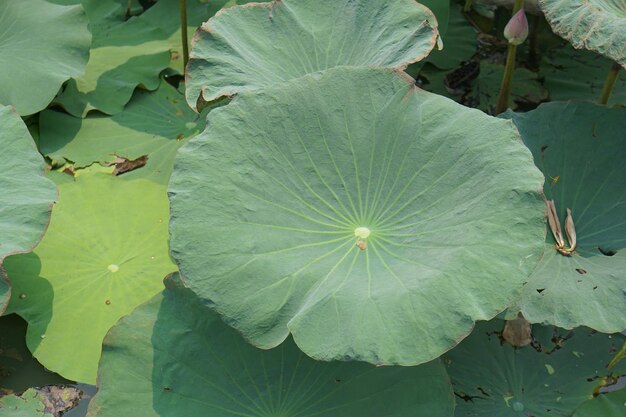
{"points": [[123, 165]]}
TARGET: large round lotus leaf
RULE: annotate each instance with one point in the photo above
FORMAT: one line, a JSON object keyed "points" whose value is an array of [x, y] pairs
{"points": [[124, 54], [612, 404], [571, 74], [174, 357], [42, 45], [105, 252], [153, 124], [26, 196], [550, 378], [373, 220], [598, 25], [258, 45], [580, 148]]}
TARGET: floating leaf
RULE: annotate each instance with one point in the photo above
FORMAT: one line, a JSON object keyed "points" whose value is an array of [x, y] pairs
{"points": [[153, 124], [104, 253], [560, 371], [124, 54], [258, 45], [50, 401], [598, 25], [42, 46], [269, 205], [26, 197], [580, 149], [173, 356]]}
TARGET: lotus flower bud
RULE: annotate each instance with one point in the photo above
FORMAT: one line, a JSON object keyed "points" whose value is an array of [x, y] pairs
{"points": [[516, 31]]}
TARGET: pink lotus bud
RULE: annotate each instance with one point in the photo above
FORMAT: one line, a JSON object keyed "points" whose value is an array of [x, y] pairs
{"points": [[516, 31]]}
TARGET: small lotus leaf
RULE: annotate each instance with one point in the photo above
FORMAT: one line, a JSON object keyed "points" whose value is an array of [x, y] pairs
{"points": [[580, 148], [26, 197], [104, 253], [124, 54], [373, 220], [612, 404], [153, 124], [29, 404], [598, 25], [552, 377], [42, 45], [261, 44], [174, 357]]}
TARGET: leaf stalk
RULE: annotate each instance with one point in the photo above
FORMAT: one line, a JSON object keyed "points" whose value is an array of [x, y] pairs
{"points": [[183, 31], [611, 79], [507, 78]]}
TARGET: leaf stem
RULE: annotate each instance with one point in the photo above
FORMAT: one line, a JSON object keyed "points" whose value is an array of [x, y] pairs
{"points": [[468, 6], [505, 86], [611, 78], [183, 31]]}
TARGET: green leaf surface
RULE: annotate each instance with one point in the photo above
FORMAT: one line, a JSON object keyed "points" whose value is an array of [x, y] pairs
{"points": [[155, 124], [268, 206], [42, 45], [124, 54], [104, 253], [612, 404], [550, 378], [580, 148], [174, 357], [257, 45], [597, 25], [26, 197], [571, 74]]}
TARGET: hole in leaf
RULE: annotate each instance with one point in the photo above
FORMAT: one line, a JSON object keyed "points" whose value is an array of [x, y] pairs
{"points": [[540, 290], [607, 252]]}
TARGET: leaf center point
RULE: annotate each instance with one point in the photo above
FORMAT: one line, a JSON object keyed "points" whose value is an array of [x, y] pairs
{"points": [[113, 268], [362, 232]]}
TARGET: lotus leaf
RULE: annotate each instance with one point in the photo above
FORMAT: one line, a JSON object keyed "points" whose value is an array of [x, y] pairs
{"points": [[580, 148], [571, 74], [26, 197], [124, 54], [173, 356], [50, 401], [154, 124], [550, 378], [373, 220], [257, 45], [612, 404], [104, 253], [50, 41], [598, 25]]}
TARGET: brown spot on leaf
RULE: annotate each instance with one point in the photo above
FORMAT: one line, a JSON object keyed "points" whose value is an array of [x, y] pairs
{"points": [[123, 165], [581, 271]]}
